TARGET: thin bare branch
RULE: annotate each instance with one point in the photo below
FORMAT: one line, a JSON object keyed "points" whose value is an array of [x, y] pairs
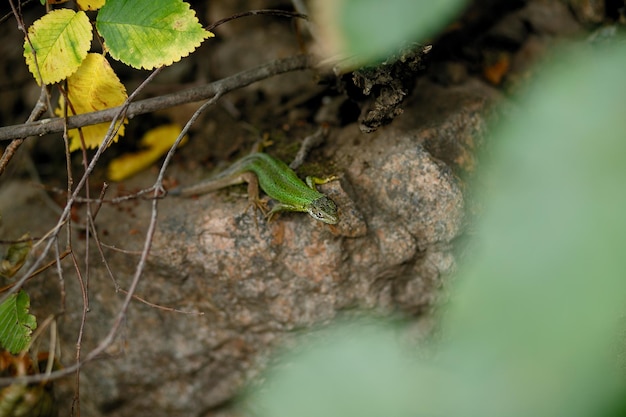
{"points": [[199, 93], [39, 109], [309, 143], [164, 308], [272, 12], [43, 103], [58, 258], [65, 215], [114, 200]]}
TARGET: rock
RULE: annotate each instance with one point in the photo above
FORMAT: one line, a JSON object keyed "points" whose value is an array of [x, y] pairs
{"points": [[255, 282]]}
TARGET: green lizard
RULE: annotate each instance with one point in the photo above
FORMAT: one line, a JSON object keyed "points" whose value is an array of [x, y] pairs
{"points": [[277, 180]]}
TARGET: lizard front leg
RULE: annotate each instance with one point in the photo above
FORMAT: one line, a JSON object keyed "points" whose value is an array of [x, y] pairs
{"points": [[278, 207]]}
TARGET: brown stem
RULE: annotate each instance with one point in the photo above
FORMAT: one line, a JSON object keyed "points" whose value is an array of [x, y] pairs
{"points": [[239, 80], [273, 12]]}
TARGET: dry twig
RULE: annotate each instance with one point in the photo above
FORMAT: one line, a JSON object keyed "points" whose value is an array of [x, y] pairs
{"points": [[234, 82]]}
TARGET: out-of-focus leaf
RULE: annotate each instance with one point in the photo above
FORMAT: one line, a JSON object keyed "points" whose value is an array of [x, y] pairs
{"points": [[538, 308], [15, 257], [149, 34], [156, 143], [355, 369], [16, 324], [60, 42], [373, 29], [93, 87]]}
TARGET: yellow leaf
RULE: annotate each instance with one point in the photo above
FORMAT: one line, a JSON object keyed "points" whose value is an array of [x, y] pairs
{"points": [[90, 4], [57, 44], [93, 87], [156, 143]]}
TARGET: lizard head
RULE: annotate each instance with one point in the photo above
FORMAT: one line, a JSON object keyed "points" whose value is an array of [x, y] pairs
{"points": [[324, 210]]}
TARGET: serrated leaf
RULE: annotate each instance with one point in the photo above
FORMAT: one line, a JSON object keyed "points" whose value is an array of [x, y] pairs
{"points": [[149, 34], [15, 257], [60, 41], [16, 324], [93, 87], [90, 4], [157, 142]]}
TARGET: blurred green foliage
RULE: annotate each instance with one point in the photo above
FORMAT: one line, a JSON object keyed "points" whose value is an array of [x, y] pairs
{"points": [[533, 327], [372, 28]]}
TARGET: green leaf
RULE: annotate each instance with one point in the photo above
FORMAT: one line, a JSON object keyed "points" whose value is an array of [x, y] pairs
{"points": [[149, 34], [60, 41], [16, 324]]}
